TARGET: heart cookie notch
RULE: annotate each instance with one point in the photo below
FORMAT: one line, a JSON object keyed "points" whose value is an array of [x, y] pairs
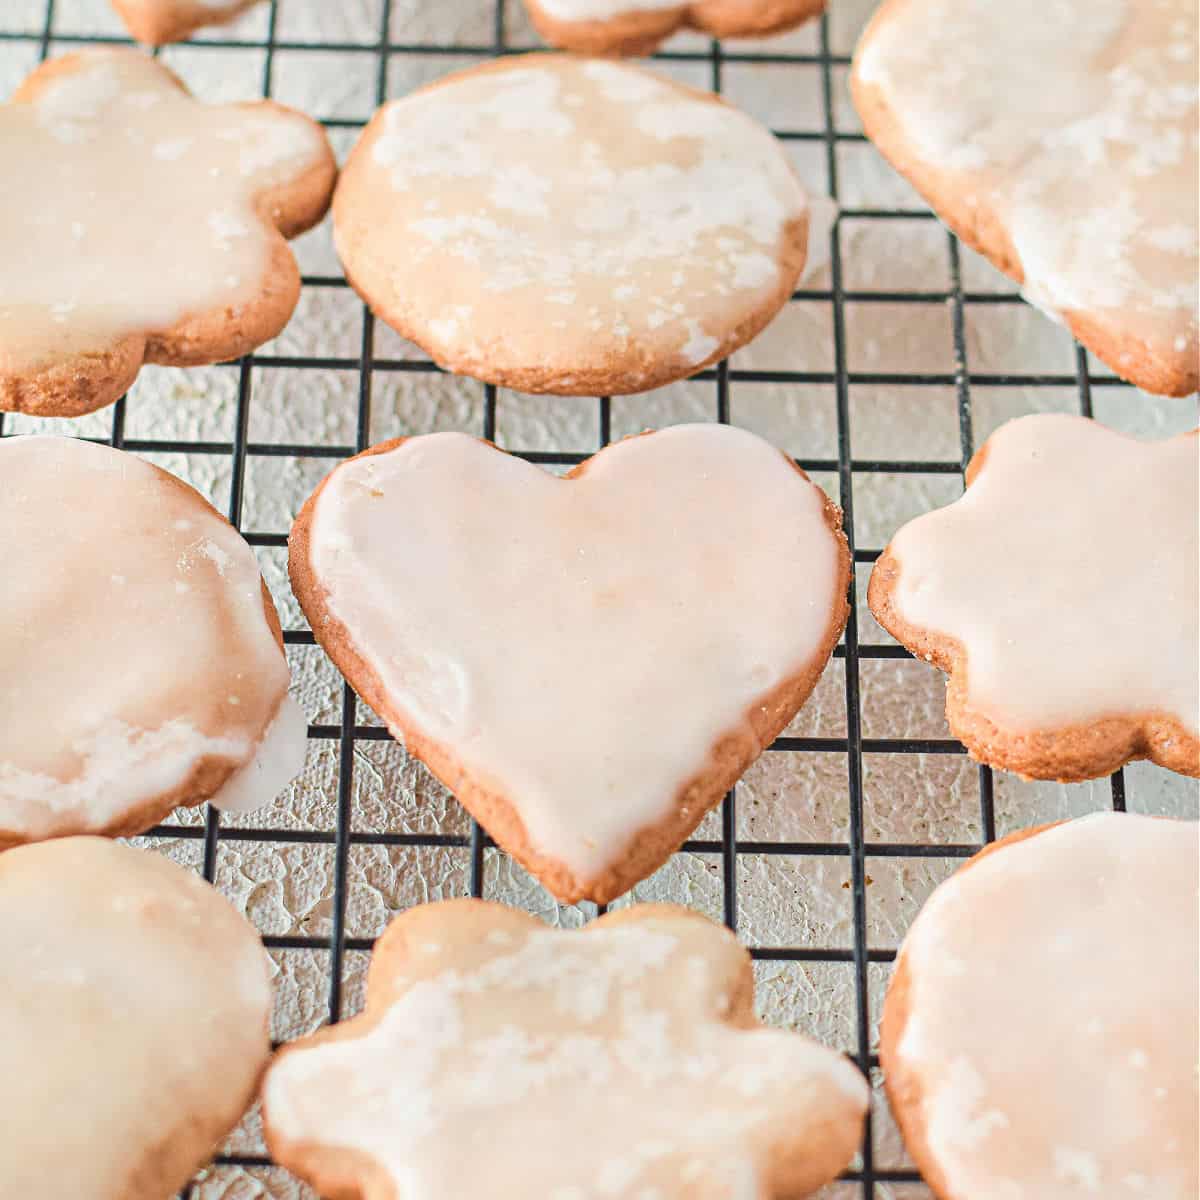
{"points": [[588, 663]]}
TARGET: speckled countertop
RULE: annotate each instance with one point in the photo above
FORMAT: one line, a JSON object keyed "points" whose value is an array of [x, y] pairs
{"points": [[287, 884]]}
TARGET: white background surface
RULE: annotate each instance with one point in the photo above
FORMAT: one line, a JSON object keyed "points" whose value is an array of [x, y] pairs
{"points": [[287, 887]]}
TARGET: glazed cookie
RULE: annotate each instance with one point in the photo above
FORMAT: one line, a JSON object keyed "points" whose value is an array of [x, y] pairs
{"points": [[157, 22], [500, 1058], [561, 225], [1060, 141], [136, 1002], [1039, 1033], [637, 26], [189, 266], [589, 664], [1060, 593], [140, 654]]}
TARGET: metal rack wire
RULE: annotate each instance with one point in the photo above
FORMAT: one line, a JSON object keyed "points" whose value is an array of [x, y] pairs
{"points": [[347, 732]]}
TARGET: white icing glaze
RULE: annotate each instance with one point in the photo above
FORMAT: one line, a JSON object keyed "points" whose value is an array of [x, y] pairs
{"points": [[617, 207], [1068, 573], [608, 1045], [277, 761], [86, 258], [141, 999], [1076, 121], [133, 639], [1052, 1015], [580, 645]]}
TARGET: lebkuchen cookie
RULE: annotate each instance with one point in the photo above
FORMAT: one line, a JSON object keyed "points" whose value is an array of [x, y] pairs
{"points": [[138, 225], [1039, 1037], [141, 664], [1060, 141], [588, 663], [500, 1058], [573, 226], [157, 22], [136, 1002], [1060, 593], [638, 26]]}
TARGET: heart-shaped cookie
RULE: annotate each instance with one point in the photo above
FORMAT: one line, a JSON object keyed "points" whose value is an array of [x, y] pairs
{"points": [[590, 663], [138, 225]]}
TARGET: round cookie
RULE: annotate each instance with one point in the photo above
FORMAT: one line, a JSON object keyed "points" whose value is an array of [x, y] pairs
{"points": [[141, 655], [578, 227], [500, 1058], [188, 266], [1067, 156], [589, 664], [1039, 1036], [637, 26], [1060, 593], [135, 1000], [157, 22]]}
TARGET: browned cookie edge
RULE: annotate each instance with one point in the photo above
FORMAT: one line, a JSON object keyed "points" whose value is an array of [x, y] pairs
{"points": [[1069, 753], [961, 205]]}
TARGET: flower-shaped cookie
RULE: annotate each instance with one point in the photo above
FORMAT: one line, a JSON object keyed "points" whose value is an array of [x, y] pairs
{"points": [[138, 225], [156, 22], [1060, 141], [637, 26], [500, 1058], [1060, 592]]}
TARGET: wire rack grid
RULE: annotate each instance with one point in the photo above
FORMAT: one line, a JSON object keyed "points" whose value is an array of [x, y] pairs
{"points": [[868, 1178]]}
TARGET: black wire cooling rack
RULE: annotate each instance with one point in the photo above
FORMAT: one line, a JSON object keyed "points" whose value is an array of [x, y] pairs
{"points": [[865, 1177]]}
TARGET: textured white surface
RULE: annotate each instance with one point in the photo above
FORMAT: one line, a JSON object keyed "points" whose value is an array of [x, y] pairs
{"points": [[287, 888]]}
